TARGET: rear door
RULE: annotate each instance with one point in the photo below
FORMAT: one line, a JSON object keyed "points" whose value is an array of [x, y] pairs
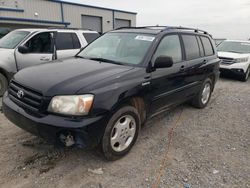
{"points": [[168, 83], [194, 56], [40, 50], [201, 64], [67, 44]]}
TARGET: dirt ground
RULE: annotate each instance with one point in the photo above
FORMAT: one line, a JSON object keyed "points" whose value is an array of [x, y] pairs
{"points": [[186, 147]]}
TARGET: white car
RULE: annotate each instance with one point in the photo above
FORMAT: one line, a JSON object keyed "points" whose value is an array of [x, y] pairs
{"points": [[235, 58], [29, 47]]}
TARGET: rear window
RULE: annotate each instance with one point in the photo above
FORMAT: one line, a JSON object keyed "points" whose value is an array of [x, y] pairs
{"points": [[191, 47], [207, 46], [67, 41], [90, 37]]}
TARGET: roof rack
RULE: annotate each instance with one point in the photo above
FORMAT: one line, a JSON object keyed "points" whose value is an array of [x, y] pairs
{"points": [[164, 28], [68, 28]]}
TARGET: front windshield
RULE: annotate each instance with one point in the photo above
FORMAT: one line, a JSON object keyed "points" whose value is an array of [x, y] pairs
{"points": [[237, 47], [11, 40], [124, 48]]}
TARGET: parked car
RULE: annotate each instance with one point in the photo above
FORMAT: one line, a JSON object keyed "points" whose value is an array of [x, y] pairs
{"points": [[218, 41], [28, 47], [106, 92], [235, 58], [4, 31]]}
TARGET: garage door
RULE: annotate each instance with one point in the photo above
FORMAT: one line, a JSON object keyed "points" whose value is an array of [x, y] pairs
{"points": [[122, 23], [92, 22]]}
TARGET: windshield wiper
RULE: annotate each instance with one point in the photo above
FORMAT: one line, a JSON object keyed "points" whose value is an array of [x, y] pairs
{"points": [[105, 60]]}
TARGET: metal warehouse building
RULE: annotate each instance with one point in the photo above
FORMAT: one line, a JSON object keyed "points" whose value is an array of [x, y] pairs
{"points": [[55, 13]]}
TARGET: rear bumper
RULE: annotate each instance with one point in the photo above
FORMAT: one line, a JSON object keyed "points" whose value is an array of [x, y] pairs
{"points": [[87, 132]]}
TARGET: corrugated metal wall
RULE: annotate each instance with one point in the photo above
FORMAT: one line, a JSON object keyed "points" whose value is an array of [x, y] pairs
{"points": [[46, 10], [54, 11]]}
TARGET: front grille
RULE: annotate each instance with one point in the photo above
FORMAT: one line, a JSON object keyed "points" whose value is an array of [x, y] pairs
{"points": [[30, 100], [225, 60]]}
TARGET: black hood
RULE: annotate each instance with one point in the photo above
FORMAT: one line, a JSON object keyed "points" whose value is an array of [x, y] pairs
{"points": [[67, 76]]}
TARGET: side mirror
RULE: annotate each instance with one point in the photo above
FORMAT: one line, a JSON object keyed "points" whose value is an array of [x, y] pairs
{"points": [[23, 49], [163, 62]]}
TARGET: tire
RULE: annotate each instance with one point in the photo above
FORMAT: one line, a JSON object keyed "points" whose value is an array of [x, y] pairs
{"points": [[246, 75], [3, 84], [199, 101], [119, 136]]}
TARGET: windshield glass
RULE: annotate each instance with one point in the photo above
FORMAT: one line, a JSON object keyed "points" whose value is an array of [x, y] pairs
{"points": [[124, 48], [237, 47], [12, 39]]}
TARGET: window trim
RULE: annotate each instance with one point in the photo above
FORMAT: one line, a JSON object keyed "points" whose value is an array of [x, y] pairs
{"points": [[204, 47], [195, 35], [181, 45], [200, 47]]}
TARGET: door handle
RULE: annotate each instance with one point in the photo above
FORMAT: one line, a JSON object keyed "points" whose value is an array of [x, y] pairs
{"points": [[204, 62], [44, 58], [182, 68]]}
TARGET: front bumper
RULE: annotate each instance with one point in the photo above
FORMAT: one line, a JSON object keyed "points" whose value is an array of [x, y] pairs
{"points": [[236, 68], [86, 131], [238, 72]]}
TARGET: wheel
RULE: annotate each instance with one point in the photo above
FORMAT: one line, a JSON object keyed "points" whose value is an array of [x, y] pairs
{"points": [[202, 98], [120, 133], [246, 75], [3, 84]]}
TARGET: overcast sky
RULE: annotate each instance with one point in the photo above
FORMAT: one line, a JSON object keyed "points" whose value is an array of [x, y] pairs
{"points": [[221, 18]]}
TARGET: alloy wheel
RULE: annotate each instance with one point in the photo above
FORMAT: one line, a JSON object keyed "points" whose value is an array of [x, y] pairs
{"points": [[123, 133]]}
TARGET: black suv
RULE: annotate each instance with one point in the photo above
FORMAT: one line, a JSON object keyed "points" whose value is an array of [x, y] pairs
{"points": [[105, 93]]}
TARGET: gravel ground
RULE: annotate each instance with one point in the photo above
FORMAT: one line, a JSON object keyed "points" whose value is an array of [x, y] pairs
{"points": [[186, 147]]}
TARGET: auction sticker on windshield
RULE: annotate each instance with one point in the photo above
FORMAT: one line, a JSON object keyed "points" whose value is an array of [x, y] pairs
{"points": [[145, 38]]}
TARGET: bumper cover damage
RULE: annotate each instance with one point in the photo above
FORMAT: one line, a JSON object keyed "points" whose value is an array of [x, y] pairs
{"points": [[81, 132]]}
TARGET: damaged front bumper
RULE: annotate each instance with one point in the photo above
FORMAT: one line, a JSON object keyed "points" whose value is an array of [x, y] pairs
{"points": [[82, 132]]}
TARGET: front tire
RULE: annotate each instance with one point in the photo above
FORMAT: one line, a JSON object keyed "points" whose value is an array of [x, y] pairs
{"points": [[203, 97], [3, 84], [121, 133], [246, 75]]}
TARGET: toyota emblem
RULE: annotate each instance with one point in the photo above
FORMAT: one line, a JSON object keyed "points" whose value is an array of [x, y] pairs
{"points": [[20, 94]]}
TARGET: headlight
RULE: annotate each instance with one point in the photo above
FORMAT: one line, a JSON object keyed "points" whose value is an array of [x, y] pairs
{"points": [[71, 105], [241, 60]]}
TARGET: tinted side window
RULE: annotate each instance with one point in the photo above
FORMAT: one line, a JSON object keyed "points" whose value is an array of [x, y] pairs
{"points": [[90, 37], [76, 42], [67, 41], [207, 46], [202, 53], [40, 43], [191, 47], [169, 46]]}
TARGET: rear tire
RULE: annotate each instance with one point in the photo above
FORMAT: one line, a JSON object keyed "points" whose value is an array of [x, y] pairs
{"points": [[203, 97], [120, 133], [3, 84]]}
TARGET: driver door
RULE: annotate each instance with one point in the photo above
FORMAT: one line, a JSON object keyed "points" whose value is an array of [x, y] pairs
{"points": [[40, 49]]}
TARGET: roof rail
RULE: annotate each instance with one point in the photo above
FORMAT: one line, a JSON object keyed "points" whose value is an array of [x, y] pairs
{"points": [[187, 28], [68, 28]]}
